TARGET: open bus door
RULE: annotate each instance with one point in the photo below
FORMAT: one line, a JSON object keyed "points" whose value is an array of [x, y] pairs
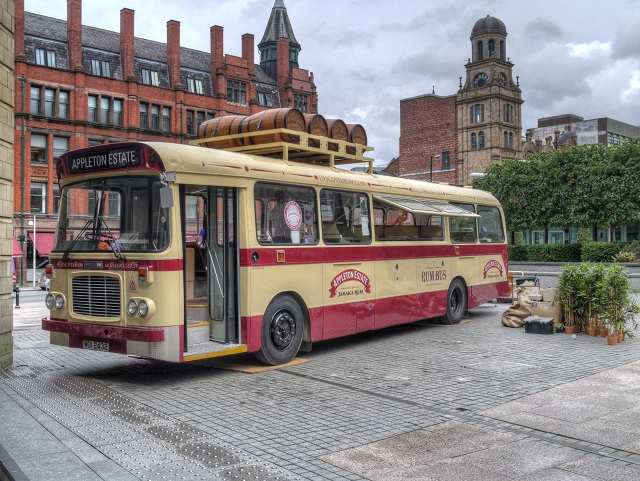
{"points": [[211, 269]]}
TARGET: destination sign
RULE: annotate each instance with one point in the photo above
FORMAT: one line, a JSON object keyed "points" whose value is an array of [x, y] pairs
{"points": [[96, 161]]}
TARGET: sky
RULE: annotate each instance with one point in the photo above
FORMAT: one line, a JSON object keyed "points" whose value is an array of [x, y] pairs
{"points": [[579, 57]]}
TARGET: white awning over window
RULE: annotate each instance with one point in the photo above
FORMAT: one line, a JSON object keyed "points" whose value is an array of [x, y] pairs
{"points": [[424, 206]]}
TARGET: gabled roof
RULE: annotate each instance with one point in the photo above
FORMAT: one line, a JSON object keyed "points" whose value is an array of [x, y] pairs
{"points": [[279, 25]]}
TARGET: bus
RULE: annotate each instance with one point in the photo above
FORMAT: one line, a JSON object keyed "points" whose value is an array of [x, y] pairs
{"points": [[182, 252]]}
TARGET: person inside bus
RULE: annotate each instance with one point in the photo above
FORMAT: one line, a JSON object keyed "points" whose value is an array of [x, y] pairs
{"points": [[280, 232]]}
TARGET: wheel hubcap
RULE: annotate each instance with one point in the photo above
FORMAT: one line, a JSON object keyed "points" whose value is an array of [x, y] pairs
{"points": [[454, 302], [283, 330]]}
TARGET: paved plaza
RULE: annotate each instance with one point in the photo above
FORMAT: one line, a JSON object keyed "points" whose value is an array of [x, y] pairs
{"points": [[476, 401]]}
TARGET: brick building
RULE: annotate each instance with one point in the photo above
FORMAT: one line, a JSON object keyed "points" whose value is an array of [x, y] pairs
{"points": [[77, 86], [448, 138]]}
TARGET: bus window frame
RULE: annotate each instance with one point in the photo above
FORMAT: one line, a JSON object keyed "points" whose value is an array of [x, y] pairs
{"points": [[463, 205], [350, 214]]}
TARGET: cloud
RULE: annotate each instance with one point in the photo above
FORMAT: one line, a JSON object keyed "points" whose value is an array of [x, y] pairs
{"points": [[542, 29], [626, 43], [586, 50]]}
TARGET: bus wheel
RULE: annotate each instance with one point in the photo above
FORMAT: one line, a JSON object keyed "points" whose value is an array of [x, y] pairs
{"points": [[456, 303], [282, 328]]}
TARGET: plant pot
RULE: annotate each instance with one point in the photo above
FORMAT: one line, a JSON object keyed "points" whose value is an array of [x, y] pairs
{"points": [[621, 337], [612, 340], [604, 331], [592, 331], [570, 329]]}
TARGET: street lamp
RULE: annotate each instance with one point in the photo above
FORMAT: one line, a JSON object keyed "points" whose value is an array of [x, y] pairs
{"points": [[35, 211], [431, 167]]}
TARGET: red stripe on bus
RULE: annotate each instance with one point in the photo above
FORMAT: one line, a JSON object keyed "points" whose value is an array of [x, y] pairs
{"points": [[319, 255], [133, 265], [103, 333], [351, 318]]}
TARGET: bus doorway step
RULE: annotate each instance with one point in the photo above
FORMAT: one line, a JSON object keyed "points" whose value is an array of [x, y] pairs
{"points": [[205, 350]]}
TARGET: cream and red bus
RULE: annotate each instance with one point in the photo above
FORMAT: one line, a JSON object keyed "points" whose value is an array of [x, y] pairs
{"points": [[182, 253]]}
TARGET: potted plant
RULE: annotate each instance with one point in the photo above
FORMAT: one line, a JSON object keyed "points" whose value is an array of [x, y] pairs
{"points": [[566, 295]]}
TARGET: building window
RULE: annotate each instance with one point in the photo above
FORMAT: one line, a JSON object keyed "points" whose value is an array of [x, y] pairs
{"points": [[63, 103], [506, 140], [194, 86], [300, 102], [38, 149], [104, 110], [480, 46], [60, 146], [166, 119], [93, 109], [236, 92], [510, 140], [114, 204], [501, 50], [56, 198], [49, 102], [265, 99], [150, 77], [99, 67], [474, 144], [492, 48], [199, 119], [144, 120], [293, 55], [35, 100], [117, 112], [39, 197], [190, 123], [481, 140], [477, 114], [45, 57], [155, 117], [446, 162], [508, 113]]}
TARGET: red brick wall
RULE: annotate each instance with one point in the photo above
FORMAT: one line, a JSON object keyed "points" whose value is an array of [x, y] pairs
{"points": [[428, 127]]}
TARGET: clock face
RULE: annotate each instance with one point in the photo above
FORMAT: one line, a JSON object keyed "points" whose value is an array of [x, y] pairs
{"points": [[480, 80], [503, 78]]}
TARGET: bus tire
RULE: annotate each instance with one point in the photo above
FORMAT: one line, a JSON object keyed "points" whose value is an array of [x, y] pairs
{"points": [[282, 329], [456, 303]]}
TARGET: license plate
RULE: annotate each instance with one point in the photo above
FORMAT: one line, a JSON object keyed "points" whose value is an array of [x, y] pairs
{"points": [[96, 346]]}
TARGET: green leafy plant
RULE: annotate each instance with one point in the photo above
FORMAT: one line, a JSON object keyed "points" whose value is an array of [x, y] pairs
{"points": [[624, 256], [601, 251]]}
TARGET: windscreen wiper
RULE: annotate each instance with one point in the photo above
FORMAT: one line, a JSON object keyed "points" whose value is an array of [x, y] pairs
{"points": [[73, 242], [115, 243]]}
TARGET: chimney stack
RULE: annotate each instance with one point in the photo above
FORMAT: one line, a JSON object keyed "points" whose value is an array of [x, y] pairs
{"points": [[248, 52], [282, 69], [173, 52], [126, 42], [74, 33]]}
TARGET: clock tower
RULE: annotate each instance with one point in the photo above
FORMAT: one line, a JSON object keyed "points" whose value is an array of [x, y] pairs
{"points": [[489, 103]]}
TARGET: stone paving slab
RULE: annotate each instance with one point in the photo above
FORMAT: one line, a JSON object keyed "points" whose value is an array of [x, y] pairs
{"points": [[414, 396]]}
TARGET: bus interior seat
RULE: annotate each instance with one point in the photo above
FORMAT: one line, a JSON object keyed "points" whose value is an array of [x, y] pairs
{"points": [[432, 231], [401, 231], [330, 233], [379, 231]]}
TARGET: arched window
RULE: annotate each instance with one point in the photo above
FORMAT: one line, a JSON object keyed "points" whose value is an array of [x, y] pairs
{"points": [[477, 114], [492, 48], [508, 113], [479, 50], [510, 140], [501, 50], [481, 140], [474, 145], [506, 139]]}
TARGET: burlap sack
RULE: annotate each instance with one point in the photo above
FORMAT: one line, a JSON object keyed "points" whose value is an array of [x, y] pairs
{"points": [[517, 313]]}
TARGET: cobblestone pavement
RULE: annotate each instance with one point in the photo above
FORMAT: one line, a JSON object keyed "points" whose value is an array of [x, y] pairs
{"points": [[410, 402]]}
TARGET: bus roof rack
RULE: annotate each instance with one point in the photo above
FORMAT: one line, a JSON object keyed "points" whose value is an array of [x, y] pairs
{"points": [[299, 151]]}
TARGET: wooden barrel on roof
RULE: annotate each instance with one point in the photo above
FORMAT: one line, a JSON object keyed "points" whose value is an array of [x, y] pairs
{"points": [[289, 118], [316, 125], [357, 135], [338, 131], [221, 126]]}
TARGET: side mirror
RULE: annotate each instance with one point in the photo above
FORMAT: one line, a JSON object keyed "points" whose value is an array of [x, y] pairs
{"points": [[166, 197]]}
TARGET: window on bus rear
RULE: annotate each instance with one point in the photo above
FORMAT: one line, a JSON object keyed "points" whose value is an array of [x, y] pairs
{"points": [[127, 210], [463, 230], [345, 217], [285, 214], [490, 222]]}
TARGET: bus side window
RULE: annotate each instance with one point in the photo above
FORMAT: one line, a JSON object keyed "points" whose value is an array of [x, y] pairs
{"points": [[345, 217], [490, 221]]}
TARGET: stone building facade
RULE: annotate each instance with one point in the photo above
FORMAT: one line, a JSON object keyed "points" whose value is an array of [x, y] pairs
{"points": [[86, 86], [6, 178], [487, 112]]}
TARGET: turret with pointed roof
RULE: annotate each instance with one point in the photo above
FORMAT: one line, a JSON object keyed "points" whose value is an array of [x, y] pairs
{"points": [[278, 26]]}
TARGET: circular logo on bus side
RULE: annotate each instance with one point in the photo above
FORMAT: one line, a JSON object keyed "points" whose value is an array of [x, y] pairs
{"points": [[292, 215]]}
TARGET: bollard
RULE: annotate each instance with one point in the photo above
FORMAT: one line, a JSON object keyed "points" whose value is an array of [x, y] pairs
{"points": [[17, 297]]}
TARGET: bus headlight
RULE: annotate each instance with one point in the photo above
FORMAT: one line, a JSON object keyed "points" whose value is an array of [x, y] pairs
{"points": [[59, 302], [132, 307], [143, 308], [50, 301]]}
